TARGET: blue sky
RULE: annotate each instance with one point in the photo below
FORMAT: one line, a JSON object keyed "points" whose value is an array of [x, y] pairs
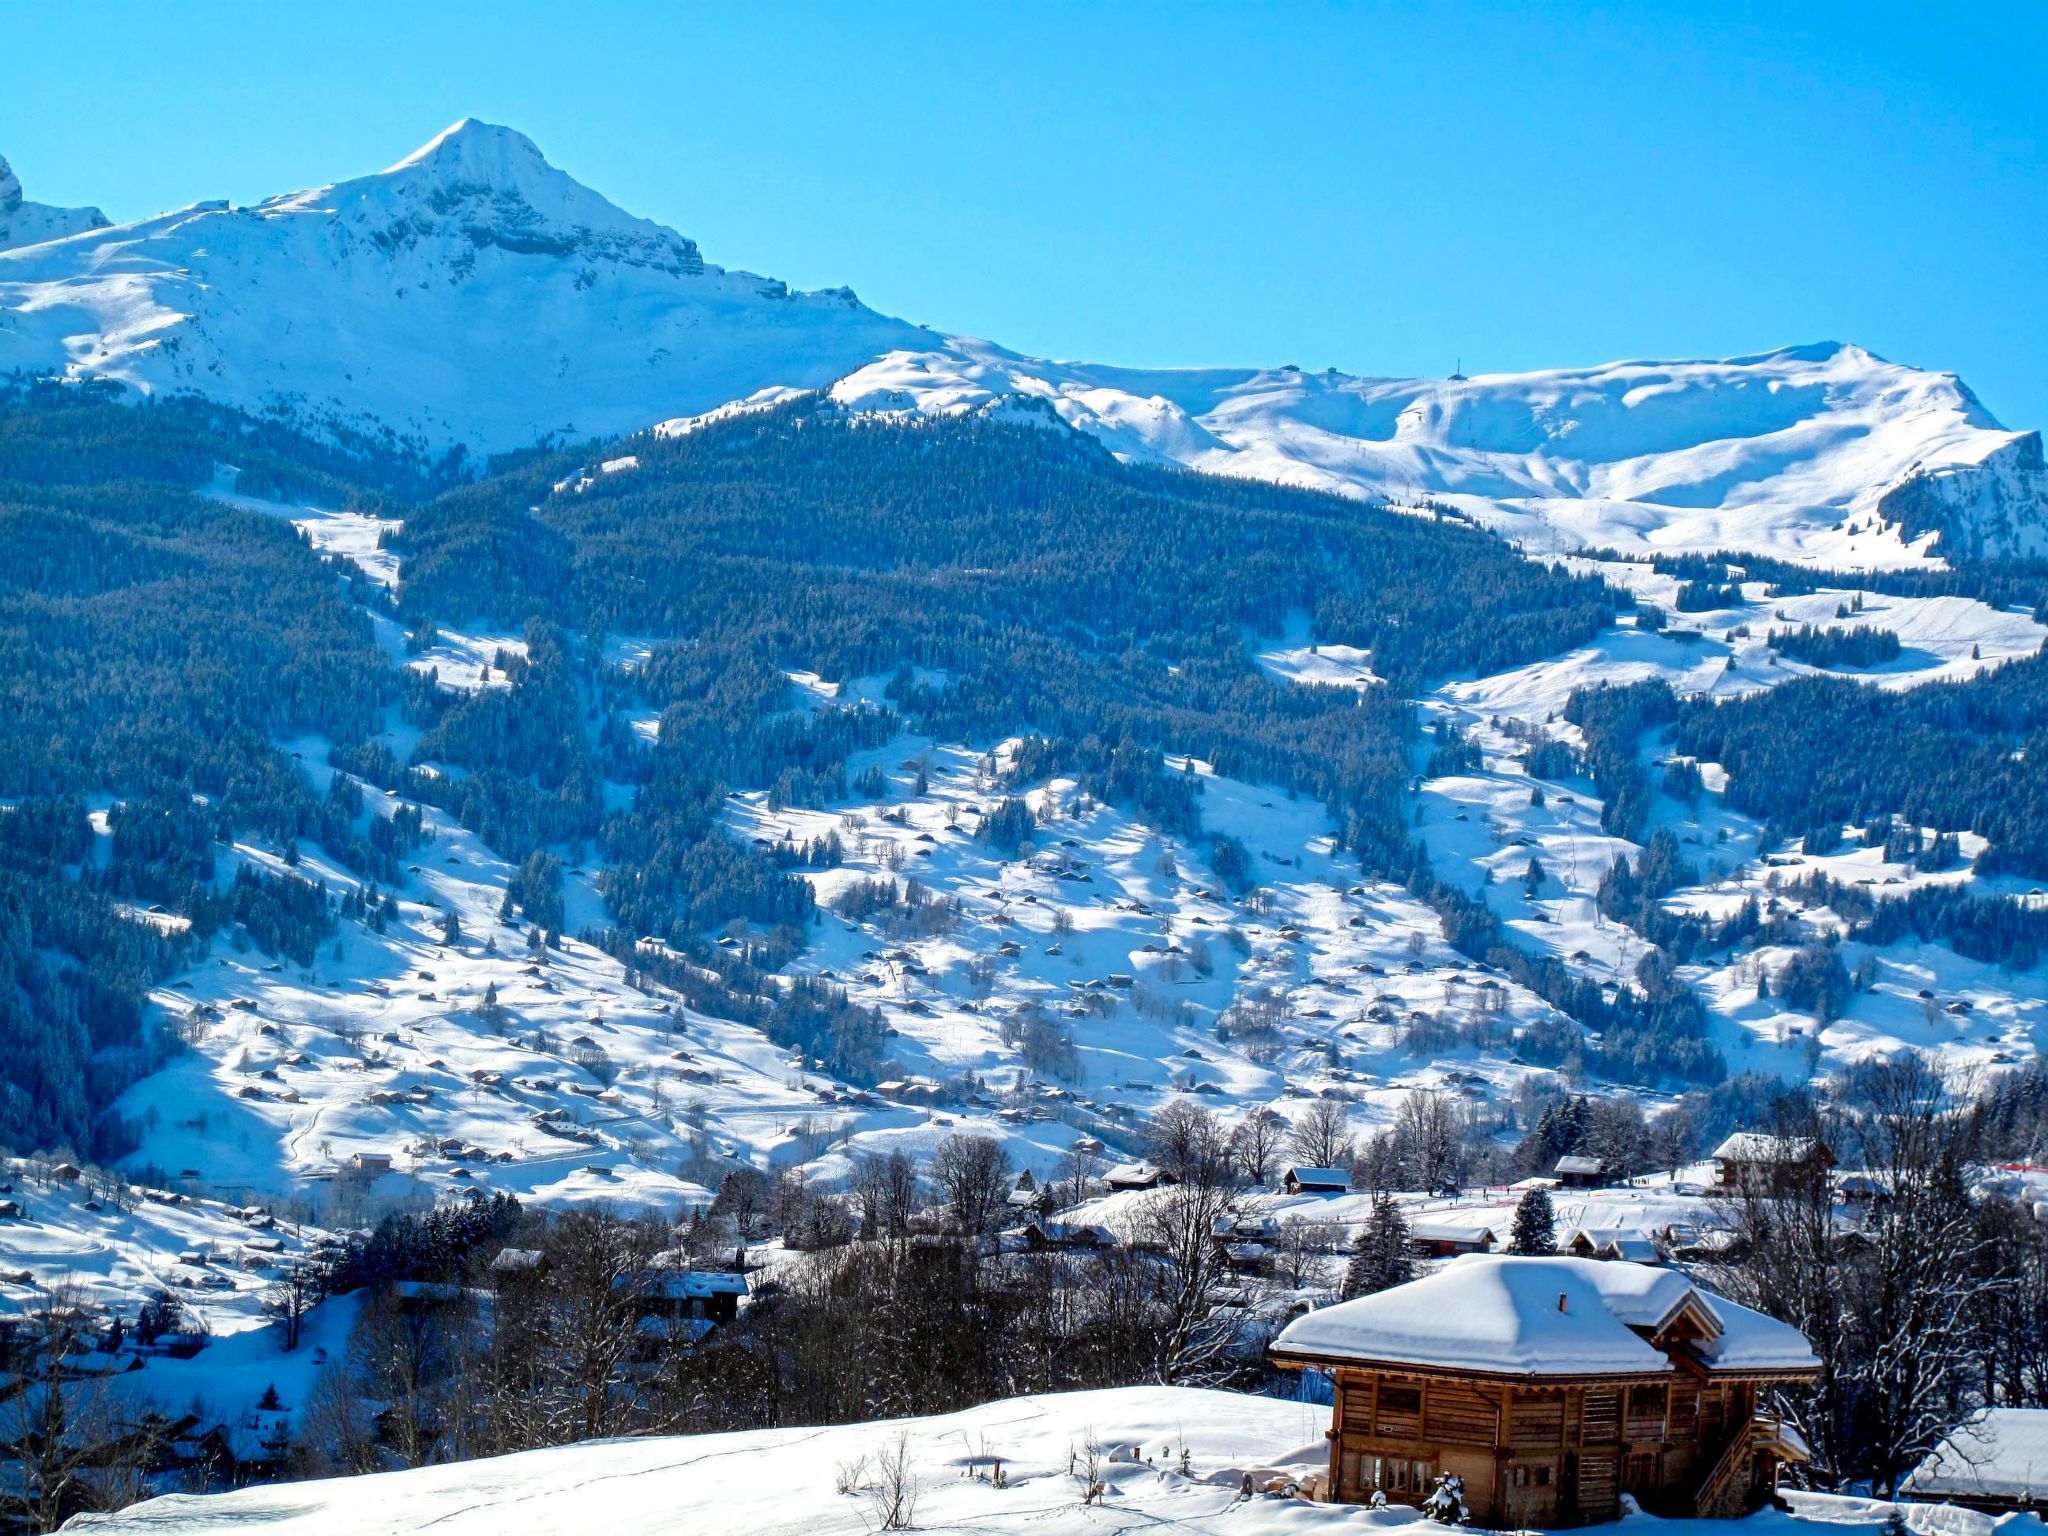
{"points": [[1384, 189]]}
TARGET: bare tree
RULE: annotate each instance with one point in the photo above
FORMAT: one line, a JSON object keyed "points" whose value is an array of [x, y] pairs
{"points": [[973, 1174], [1889, 1300], [1074, 1176], [1322, 1135], [894, 1491], [1256, 1143], [885, 1189], [1191, 1330], [72, 1444], [1428, 1138], [1185, 1140], [1304, 1252], [598, 1268], [287, 1300]]}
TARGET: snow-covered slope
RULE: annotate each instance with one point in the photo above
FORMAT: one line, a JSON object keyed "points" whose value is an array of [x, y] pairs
{"points": [[1824, 453], [471, 294], [1168, 1458], [474, 294], [25, 223]]}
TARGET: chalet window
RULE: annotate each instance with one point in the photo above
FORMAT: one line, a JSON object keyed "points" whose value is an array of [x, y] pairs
{"points": [[1407, 1476], [1400, 1412], [1527, 1476]]}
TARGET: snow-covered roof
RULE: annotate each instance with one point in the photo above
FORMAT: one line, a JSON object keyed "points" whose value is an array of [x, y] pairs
{"points": [[1321, 1178], [1761, 1147], [1134, 1175], [2002, 1453], [1572, 1162], [685, 1285], [1450, 1228], [1542, 1317]]}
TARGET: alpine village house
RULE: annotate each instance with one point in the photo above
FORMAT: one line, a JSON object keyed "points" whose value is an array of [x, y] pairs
{"points": [[1550, 1387]]}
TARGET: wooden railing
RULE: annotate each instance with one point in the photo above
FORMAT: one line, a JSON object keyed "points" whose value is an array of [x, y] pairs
{"points": [[1731, 1463]]}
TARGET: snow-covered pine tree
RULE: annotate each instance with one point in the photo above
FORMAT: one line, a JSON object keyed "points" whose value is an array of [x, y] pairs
{"points": [[1535, 1229], [1379, 1254], [1446, 1501]]}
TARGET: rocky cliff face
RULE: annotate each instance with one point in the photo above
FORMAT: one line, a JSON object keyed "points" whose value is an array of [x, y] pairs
{"points": [[25, 223], [1996, 506]]}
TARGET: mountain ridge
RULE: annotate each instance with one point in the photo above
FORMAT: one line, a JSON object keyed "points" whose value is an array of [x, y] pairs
{"points": [[473, 294]]}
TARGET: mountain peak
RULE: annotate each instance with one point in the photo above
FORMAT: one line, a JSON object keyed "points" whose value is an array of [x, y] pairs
{"points": [[476, 186], [25, 223], [474, 150]]}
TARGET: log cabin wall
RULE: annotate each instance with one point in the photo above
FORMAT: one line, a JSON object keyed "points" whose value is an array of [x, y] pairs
{"points": [[1531, 1455]]}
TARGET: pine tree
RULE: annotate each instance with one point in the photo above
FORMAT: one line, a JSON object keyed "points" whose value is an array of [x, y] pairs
{"points": [[1446, 1502], [1535, 1229], [1379, 1254]]}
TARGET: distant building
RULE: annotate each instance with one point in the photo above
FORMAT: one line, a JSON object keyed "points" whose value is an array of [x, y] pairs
{"points": [[1137, 1176], [1045, 1234], [1552, 1386], [1316, 1181], [1445, 1239], [1628, 1247], [514, 1266], [371, 1163], [1575, 1171], [1996, 1462], [1755, 1159]]}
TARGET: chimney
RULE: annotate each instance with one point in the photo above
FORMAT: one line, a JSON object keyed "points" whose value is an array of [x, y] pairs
{"points": [[1560, 1301]]}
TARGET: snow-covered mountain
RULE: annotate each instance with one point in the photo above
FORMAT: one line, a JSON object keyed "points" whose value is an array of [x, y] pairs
{"points": [[474, 294], [1824, 452], [25, 223], [471, 294]]}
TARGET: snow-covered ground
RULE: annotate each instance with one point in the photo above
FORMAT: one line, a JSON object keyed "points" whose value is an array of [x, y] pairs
{"points": [[383, 1046], [104, 1243], [1168, 1459]]}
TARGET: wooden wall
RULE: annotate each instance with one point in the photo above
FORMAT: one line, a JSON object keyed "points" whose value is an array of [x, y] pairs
{"points": [[1532, 1455]]}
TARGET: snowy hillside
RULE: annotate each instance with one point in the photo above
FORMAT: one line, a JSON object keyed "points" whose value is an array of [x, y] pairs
{"points": [[581, 1083], [1801, 453], [474, 294]]}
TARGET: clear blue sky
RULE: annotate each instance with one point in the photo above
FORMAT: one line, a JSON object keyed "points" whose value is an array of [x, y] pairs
{"points": [[1384, 189]]}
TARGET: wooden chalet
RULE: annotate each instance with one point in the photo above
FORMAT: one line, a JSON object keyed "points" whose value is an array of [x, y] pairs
{"points": [[1757, 1160], [1577, 1171], [1137, 1176], [1552, 1386], [1316, 1181], [1448, 1239]]}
